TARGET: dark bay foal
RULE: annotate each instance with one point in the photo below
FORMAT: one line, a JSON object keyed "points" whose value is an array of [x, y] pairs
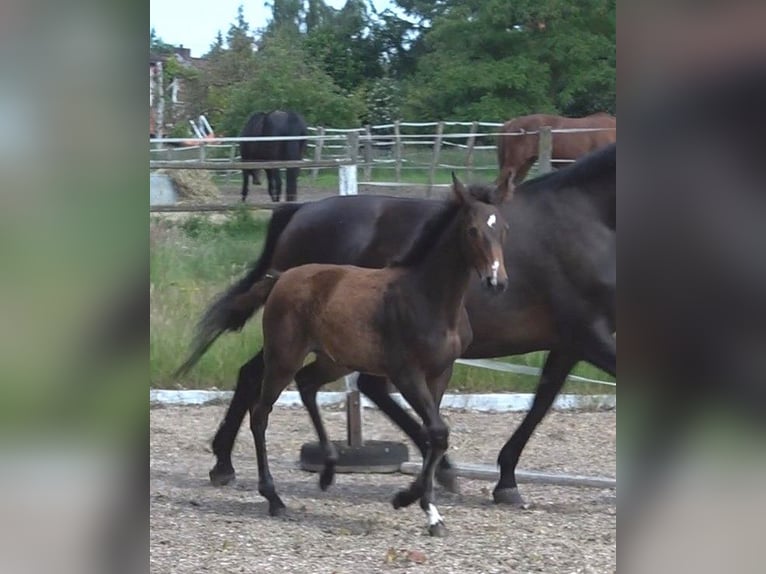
{"points": [[405, 322]]}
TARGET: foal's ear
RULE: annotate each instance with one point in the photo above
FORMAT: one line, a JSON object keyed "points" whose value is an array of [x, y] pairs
{"points": [[459, 191]]}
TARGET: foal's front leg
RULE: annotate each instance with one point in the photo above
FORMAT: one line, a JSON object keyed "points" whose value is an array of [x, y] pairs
{"points": [[278, 375], [416, 392]]}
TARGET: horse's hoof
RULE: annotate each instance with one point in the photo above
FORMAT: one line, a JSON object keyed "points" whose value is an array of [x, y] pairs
{"points": [[447, 478], [326, 478], [438, 530], [509, 496], [277, 510], [220, 477]]}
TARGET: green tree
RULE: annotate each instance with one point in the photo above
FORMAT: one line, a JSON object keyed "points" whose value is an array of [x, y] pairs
{"points": [[285, 76], [493, 59], [157, 46]]}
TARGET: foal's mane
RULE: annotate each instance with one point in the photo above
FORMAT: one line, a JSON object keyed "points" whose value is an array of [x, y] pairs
{"points": [[433, 229], [429, 234]]}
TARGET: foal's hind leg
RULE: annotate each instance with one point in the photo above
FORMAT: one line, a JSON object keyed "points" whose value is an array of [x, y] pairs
{"points": [[309, 379], [557, 367], [416, 392], [245, 395]]}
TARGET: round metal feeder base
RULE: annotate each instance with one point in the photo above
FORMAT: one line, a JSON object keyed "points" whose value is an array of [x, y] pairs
{"points": [[372, 456]]}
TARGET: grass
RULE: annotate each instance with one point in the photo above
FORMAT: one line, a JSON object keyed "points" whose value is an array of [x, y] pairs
{"points": [[193, 260]]}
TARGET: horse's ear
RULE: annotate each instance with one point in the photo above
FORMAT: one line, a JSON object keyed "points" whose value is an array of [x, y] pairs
{"points": [[458, 190]]}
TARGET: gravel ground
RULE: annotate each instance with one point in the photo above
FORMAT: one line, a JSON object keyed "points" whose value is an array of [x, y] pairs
{"points": [[352, 527]]}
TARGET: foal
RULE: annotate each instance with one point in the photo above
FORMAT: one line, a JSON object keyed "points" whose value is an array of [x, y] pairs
{"points": [[405, 322]]}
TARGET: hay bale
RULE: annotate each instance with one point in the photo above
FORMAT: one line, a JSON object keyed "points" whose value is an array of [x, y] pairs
{"points": [[193, 184]]}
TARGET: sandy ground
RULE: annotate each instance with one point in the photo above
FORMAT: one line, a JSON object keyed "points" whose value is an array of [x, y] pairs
{"points": [[352, 528]]}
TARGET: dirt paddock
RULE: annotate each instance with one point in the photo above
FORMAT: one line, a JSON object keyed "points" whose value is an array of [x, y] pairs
{"points": [[352, 527]]}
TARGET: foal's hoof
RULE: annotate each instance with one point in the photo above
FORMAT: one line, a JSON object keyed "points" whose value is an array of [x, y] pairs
{"points": [[404, 498], [221, 477], [509, 496], [438, 530], [447, 478], [327, 477]]}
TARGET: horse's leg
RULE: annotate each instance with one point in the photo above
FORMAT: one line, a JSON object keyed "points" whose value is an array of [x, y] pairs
{"points": [[278, 183], [600, 347], [524, 170], [278, 375], [245, 394], [557, 367], [446, 474], [270, 178], [245, 178], [291, 186], [416, 392], [375, 389], [309, 380]]}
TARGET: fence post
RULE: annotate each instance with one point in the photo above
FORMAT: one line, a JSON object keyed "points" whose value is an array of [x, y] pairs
{"points": [[347, 180], [435, 160], [367, 150], [470, 144], [545, 141], [397, 152], [353, 412], [202, 152], [352, 145], [317, 152]]}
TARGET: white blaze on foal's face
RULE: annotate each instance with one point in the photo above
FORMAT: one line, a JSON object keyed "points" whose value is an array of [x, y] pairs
{"points": [[491, 221], [495, 268]]}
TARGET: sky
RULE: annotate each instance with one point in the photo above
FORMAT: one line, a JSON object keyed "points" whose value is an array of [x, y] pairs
{"points": [[195, 23]]}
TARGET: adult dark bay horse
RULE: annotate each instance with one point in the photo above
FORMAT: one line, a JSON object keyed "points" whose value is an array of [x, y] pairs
{"points": [[405, 322], [273, 124], [517, 153], [560, 251]]}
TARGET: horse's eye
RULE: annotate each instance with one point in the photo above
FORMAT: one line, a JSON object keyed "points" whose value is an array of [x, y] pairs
{"points": [[473, 232]]}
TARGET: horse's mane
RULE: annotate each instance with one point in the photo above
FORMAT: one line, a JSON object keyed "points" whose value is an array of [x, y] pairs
{"points": [[589, 167], [428, 236]]}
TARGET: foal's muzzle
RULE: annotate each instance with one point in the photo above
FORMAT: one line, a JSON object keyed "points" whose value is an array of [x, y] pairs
{"points": [[496, 285]]}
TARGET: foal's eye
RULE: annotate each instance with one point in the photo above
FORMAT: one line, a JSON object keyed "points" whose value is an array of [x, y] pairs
{"points": [[473, 231]]}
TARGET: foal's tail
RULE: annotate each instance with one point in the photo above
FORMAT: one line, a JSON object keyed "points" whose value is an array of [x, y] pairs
{"points": [[234, 307]]}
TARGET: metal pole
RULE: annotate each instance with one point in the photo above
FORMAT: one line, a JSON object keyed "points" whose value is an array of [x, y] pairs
{"points": [[347, 178]]}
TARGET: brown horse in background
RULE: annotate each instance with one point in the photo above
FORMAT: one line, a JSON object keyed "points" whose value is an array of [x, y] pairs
{"points": [[517, 153], [406, 322]]}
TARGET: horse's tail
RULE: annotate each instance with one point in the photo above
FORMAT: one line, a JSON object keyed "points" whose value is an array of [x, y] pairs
{"points": [[234, 307]]}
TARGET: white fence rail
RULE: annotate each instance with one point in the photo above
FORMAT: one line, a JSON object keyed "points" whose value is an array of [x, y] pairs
{"points": [[388, 154]]}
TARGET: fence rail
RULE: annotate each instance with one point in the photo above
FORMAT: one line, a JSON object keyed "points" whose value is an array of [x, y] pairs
{"points": [[399, 149]]}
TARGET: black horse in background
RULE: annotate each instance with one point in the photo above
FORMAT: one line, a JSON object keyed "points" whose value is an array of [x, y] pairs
{"points": [[272, 124], [560, 253]]}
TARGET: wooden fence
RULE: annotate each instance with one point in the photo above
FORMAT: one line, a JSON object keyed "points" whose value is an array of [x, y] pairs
{"points": [[384, 153]]}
